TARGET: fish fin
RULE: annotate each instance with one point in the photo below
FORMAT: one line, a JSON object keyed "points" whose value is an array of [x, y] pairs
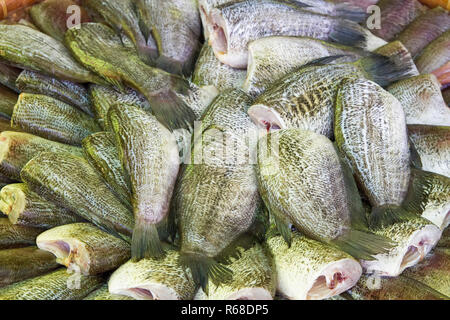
{"points": [[204, 268], [282, 226], [169, 65], [387, 215], [350, 12], [349, 33], [415, 159], [145, 242], [385, 70], [363, 245], [323, 61], [298, 3], [234, 249]]}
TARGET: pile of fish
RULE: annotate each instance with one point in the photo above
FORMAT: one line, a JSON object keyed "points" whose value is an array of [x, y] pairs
{"points": [[214, 149]]}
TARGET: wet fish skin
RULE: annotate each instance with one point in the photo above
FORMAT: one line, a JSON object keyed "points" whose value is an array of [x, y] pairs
{"points": [[27, 208], [205, 7], [8, 99], [16, 236], [237, 24], [400, 55], [44, 54], [83, 191], [100, 49], [299, 268], [149, 154], [8, 76], [103, 294], [396, 15], [20, 147], [53, 16], [271, 58], [435, 55], [52, 286], [424, 29], [84, 248], [52, 119], [210, 71], [153, 279], [66, 91], [23, 263], [422, 100], [433, 145], [346, 11], [102, 154], [175, 25]]}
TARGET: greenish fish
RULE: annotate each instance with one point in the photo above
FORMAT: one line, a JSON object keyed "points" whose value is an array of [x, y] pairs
{"points": [[52, 119], [103, 294], [435, 55], [27, 208], [400, 55], [57, 285], [16, 236], [44, 54], [66, 91], [8, 99], [8, 76], [83, 191], [23, 263], [444, 242], [84, 248]]}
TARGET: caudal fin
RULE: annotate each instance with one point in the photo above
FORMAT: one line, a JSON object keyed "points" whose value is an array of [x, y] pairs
{"points": [[350, 12], [204, 268], [145, 242], [363, 245], [387, 215], [349, 33]]}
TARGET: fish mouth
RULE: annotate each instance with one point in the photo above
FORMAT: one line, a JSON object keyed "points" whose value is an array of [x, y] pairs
{"points": [[12, 202], [71, 254], [393, 263], [265, 118], [336, 278], [148, 291], [251, 69], [250, 294]]}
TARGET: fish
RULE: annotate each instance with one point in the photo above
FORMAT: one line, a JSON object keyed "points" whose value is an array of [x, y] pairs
{"points": [[66, 91], [310, 270], [23, 263], [414, 239], [17, 236], [400, 55], [422, 100], [153, 279], [434, 271], [360, 3], [235, 25], [433, 146], [297, 172], [149, 154], [8, 76], [56, 285], [122, 15], [103, 97], [53, 17], [424, 29], [4, 180], [435, 204], [271, 58], [52, 119], [395, 16], [216, 198], [370, 124], [253, 278], [444, 242], [84, 248], [44, 54], [443, 74], [205, 7], [5, 125], [101, 152], [103, 294], [209, 71], [446, 95], [27, 208], [176, 27], [8, 99], [435, 55], [399, 288], [100, 49], [20, 147], [347, 11], [82, 191], [305, 98]]}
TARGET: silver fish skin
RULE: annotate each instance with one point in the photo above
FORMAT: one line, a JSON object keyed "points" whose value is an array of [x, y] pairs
{"points": [[271, 58], [176, 27], [209, 71], [339, 10], [422, 100], [205, 7], [237, 24]]}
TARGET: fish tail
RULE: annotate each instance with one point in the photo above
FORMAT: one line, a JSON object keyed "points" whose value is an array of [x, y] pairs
{"points": [[203, 268], [349, 33], [145, 242], [362, 244], [386, 70], [387, 215], [170, 65], [350, 12]]}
